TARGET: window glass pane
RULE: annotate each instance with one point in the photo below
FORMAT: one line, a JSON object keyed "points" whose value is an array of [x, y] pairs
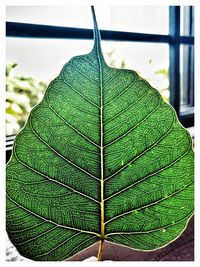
{"points": [[187, 21], [40, 60], [43, 58], [187, 75], [145, 19], [69, 16]]}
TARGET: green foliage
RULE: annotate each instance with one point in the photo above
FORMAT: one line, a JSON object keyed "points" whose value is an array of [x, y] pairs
{"points": [[22, 94], [112, 61], [102, 157]]}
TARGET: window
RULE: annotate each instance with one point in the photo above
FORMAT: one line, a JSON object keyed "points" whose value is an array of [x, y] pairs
{"points": [[160, 49], [182, 63]]}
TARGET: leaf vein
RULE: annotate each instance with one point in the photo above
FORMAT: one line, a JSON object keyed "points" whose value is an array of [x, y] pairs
{"points": [[75, 107], [132, 128], [121, 112], [50, 221], [79, 245], [121, 93], [91, 63], [83, 75], [28, 228], [150, 175], [141, 154], [72, 127], [153, 230], [59, 245], [54, 181], [150, 204], [87, 99], [61, 156], [35, 237]]}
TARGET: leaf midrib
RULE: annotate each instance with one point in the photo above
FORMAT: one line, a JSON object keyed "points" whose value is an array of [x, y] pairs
{"points": [[101, 146]]}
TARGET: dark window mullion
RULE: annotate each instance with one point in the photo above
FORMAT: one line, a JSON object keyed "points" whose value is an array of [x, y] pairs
{"points": [[191, 91], [191, 59], [174, 57], [191, 18], [188, 59], [190, 73]]}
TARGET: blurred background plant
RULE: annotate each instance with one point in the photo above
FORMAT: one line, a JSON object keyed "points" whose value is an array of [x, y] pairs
{"points": [[23, 93]]}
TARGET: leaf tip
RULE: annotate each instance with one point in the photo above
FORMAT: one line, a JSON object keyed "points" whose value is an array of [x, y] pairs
{"points": [[97, 37]]}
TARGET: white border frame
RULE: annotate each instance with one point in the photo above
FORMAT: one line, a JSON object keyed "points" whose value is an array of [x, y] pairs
{"points": [[3, 4]]}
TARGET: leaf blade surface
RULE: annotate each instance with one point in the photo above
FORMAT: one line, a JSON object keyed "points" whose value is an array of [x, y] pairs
{"points": [[101, 157]]}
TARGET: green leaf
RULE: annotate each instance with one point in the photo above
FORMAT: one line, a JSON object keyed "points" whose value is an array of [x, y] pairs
{"points": [[102, 157]]}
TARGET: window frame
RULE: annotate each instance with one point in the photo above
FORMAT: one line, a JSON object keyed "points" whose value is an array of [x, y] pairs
{"points": [[174, 39], [185, 115]]}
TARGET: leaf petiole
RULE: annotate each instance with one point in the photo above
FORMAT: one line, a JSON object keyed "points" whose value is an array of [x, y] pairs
{"points": [[99, 255]]}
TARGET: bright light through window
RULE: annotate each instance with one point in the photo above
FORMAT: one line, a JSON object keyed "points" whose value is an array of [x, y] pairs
{"points": [[145, 19]]}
